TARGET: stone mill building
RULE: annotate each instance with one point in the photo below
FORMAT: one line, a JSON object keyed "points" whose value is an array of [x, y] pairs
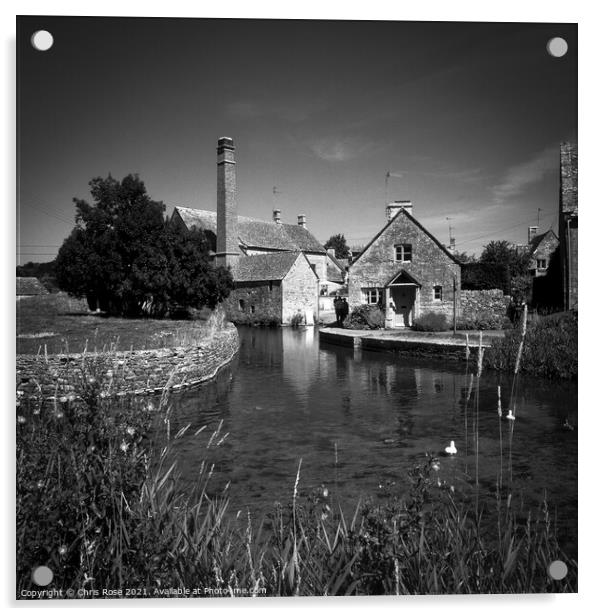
{"points": [[277, 267], [405, 270]]}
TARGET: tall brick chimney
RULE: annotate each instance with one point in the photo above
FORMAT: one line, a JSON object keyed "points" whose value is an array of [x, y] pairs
{"points": [[227, 216], [532, 233], [301, 221]]}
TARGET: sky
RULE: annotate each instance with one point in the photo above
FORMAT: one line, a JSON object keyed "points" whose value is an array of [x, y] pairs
{"points": [[467, 119]]}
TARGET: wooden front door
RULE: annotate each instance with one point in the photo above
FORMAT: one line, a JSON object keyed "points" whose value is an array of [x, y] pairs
{"points": [[404, 297]]}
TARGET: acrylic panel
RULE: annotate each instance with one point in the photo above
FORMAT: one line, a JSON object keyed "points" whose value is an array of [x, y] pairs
{"points": [[296, 308]]}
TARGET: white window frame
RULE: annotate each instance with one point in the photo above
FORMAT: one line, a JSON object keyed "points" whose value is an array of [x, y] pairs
{"points": [[440, 287], [368, 292], [402, 252], [544, 263]]}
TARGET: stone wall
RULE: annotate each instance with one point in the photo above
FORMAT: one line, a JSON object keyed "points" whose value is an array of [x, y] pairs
{"points": [[255, 300], [491, 302], [299, 291], [319, 262], [126, 372]]}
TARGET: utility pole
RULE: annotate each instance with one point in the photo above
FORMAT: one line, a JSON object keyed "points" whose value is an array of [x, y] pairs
{"points": [[387, 176], [455, 292], [452, 240]]}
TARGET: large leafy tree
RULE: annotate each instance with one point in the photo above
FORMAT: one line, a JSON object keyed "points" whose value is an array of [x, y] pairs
{"points": [[339, 243], [516, 260], [126, 258], [504, 253]]}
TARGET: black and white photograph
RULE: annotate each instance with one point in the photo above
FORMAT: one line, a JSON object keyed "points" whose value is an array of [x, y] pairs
{"points": [[296, 308]]}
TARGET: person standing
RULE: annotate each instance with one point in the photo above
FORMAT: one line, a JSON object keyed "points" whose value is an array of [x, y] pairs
{"points": [[344, 311], [338, 308]]}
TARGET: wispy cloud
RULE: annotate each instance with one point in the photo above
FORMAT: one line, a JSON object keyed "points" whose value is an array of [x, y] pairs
{"points": [[466, 176], [291, 111], [519, 177], [337, 150]]}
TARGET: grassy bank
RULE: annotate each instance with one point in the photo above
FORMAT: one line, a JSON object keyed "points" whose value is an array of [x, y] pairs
{"points": [[58, 323], [550, 348], [100, 504]]}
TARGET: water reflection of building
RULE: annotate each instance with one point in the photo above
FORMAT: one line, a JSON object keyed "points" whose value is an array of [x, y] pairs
{"points": [[300, 359]]}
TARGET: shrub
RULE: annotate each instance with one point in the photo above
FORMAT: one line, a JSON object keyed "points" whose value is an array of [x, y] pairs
{"points": [[431, 322], [297, 319], [365, 317], [550, 348], [477, 276], [484, 320], [254, 321]]}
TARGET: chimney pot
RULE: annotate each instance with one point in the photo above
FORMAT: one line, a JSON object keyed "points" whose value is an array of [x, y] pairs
{"points": [[301, 220], [276, 216], [532, 233]]}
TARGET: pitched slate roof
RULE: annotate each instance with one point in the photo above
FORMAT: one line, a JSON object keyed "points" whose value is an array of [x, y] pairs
{"points": [[256, 268], [303, 238], [335, 271], [255, 233], [536, 241], [30, 286]]}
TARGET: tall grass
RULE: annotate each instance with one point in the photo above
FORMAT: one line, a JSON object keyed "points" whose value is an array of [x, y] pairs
{"points": [[549, 348], [99, 501]]}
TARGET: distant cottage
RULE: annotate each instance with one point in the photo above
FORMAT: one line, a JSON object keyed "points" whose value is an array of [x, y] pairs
{"points": [[277, 267], [405, 270], [541, 247]]}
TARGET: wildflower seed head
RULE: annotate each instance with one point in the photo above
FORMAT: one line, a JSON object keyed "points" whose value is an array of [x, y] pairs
{"points": [[21, 419], [62, 550], [40, 484], [63, 399], [130, 431], [91, 380], [60, 415], [124, 446]]}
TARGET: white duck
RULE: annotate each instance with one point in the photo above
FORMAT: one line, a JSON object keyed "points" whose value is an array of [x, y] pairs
{"points": [[451, 449]]}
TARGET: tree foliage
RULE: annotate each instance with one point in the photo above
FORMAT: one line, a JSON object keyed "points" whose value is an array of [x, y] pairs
{"points": [[504, 253], [127, 259], [339, 243]]}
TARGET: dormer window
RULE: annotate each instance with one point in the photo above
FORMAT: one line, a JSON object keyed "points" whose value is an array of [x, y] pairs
{"points": [[403, 253]]}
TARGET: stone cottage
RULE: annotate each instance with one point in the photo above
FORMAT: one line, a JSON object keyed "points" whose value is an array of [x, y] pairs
{"points": [[541, 247], [405, 270], [568, 224], [277, 267]]}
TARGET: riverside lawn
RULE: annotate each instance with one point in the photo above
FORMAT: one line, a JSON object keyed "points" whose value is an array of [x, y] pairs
{"points": [[99, 502]]}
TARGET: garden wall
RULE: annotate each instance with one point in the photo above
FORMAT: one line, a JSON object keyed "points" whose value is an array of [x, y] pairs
{"points": [[492, 302], [126, 372]]}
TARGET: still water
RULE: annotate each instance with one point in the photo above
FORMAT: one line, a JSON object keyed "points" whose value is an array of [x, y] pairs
{"points": [[361, 420]]}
